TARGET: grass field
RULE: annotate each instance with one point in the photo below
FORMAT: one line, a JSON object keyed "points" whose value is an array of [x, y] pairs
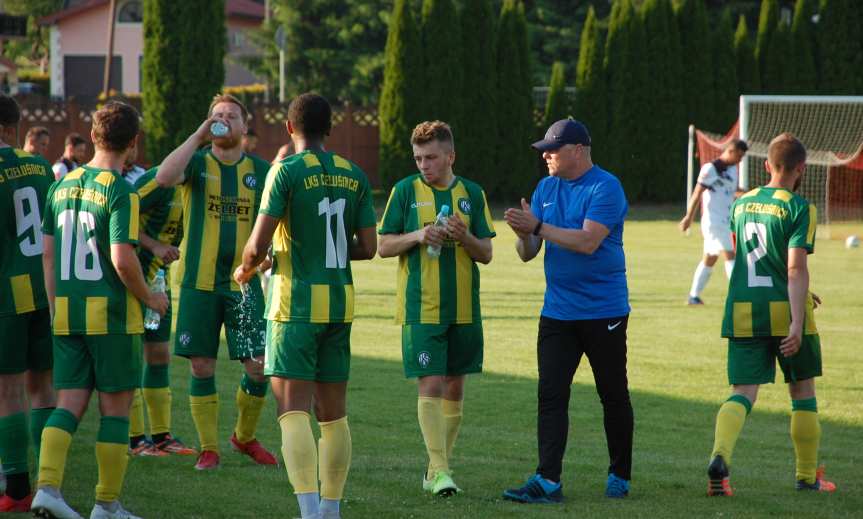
{"points": [[677, 379]]}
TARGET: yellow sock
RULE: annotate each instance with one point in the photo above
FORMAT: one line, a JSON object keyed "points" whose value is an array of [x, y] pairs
{"points": [[452, 413], [136, 415], [52, 457], [111, 447], [249, 407], [806, 436], [729, 423], [205, 413], [433, 427], [158, 401], [299, 451], [335, 457]]}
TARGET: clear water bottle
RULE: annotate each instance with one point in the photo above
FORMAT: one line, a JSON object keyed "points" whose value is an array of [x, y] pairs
{"points": [[439, 221], [219, 129], [152, 317]]}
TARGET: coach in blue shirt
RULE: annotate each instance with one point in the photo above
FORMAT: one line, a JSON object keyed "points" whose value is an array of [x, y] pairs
{"points": [[578, 211]]}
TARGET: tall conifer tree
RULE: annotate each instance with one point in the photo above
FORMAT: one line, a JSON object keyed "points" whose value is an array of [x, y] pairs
{"points": [[725, 81], [556, 105], [516, 127], [804, 79], [442, 64], [591, 105], [748, 76], [664, 70], [397, 108], [768, 20], [475, 151], [697, 61]]}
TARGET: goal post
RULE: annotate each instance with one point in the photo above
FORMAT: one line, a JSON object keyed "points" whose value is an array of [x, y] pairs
{"points": [[831, 128]]}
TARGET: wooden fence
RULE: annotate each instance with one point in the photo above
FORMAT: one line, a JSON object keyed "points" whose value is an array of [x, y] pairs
{"points": [[354, 134]]}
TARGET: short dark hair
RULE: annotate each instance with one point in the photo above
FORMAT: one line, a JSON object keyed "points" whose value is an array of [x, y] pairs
{"points": [[432, 131], [10, 112], [74, 139], [311, 115], [115, 126], [786, 153], [36, 132], [737, 144]]}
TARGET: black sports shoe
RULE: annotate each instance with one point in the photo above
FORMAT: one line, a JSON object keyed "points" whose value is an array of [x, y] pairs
{"points": [[717, 473], [536, 490]]}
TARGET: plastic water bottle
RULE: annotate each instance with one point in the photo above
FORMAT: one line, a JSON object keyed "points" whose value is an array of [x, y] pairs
{"points": [[152, 317], [219, 129], [439, 221]]}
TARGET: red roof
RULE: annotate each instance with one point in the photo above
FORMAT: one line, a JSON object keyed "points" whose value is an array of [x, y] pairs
{"points": [[238, 8]]}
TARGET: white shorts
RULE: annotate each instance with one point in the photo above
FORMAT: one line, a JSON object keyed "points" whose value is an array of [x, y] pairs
{"points": [[716, 240]]}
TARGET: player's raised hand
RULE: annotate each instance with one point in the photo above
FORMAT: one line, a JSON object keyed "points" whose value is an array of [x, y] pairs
{"points": [[456, 227], [432, 235], [158, 301]]}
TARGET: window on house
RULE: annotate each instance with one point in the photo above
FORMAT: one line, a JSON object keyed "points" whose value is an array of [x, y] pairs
{"points": [[131, 11]]}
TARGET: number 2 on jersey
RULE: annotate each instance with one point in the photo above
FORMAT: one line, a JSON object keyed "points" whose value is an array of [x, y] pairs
{"points": [[759, 230], [79, 226], [337, 250]]}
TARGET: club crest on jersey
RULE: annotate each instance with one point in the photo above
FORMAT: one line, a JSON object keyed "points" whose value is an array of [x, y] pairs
{"points": [[250, 181], [424, 359], [185, 338], [464, 205]]}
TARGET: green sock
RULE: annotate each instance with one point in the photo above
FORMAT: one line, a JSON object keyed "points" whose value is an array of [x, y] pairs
{"points": [[13, 443], [38, 419]]}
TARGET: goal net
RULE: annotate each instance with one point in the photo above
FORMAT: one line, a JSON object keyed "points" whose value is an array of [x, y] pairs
{"points": [[831, 128]]}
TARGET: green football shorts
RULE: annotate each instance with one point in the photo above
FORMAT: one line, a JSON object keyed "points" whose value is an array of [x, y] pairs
{"points": [[163, 332], [308, 351], [442, 349], [31, 347], [753, 360], [108, 363], [200, 318]]}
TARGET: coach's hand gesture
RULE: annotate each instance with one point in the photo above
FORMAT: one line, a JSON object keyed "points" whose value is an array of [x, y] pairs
{"points": [[522, 221]]}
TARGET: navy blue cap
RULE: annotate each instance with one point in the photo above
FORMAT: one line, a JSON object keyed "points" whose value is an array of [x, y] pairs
{"points": [[565, 131]]}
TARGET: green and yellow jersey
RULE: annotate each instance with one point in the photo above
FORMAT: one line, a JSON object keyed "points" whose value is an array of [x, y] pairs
{"points": [[220, 204], [87, 211], [321, 200], [442, 290], [24, 183], [161, 219], [767, 222]]}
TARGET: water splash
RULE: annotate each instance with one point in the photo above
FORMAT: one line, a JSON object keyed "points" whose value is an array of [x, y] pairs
{"points": [[249, 333]]}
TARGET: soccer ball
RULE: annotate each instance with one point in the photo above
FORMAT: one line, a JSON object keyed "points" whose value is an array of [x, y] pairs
{"points": [[852, 242]]}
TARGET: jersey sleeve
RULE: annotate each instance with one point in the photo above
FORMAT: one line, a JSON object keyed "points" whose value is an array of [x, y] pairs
{"points": [[195, 164], [608, 204], [277, 189], [708, 175], [536, 201], [366, 215], [123, 219], [803, 228], [150, 193], [393, 220], [48, 218], [481, 224]]}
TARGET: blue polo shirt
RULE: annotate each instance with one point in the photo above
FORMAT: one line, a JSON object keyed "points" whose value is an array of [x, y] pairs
{"points": [[581, 286]]}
